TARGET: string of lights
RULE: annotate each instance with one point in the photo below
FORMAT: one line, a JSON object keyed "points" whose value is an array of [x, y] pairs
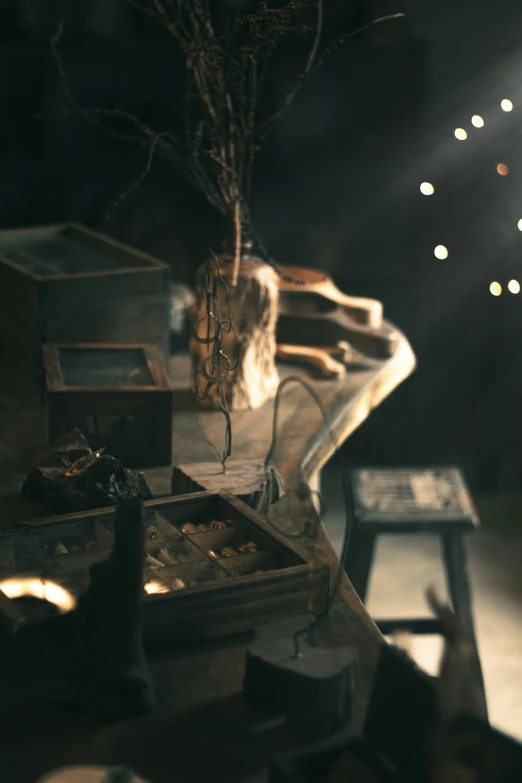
{"points": [[441, 252]]}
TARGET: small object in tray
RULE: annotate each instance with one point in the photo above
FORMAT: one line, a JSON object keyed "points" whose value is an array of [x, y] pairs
{"points": [[212, 553], [217, 524], [152, 532], [203, 528], [248, 546], [155, 586], [189, 529], [177, 583], [153, 561], [59, 549], [228, 551], [166, 557]]}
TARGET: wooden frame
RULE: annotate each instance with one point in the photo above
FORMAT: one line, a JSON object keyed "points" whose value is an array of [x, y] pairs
{"points": [[68, 406]]}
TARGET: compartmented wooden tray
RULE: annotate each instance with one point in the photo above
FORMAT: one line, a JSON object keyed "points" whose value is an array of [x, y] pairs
{"points": [[213, 567]]}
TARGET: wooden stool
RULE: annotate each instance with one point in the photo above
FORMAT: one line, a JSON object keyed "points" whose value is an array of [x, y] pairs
{"points": [[413, 500]]}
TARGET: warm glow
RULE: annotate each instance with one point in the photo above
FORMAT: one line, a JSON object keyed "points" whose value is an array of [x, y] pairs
{"points": [[506, 105], [441, 252], [427, 189], [519, 224], [460, 134], [502, 169], [477, 121], [514, 286], [39, 588], [495, 289], [155, 587]]}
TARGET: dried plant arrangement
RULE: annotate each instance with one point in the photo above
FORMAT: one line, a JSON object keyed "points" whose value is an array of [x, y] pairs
{"points": [[227, 66], [224, 127]]}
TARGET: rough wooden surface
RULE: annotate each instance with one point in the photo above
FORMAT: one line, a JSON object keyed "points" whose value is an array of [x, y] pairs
{"points": [[202, 728], [251, 350], [258, 486]]}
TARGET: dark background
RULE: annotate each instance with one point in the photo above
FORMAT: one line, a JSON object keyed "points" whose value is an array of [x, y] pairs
{"points": [[336, 187]]}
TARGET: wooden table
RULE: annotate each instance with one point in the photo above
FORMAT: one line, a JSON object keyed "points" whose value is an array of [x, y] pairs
{"points": [[201, 729]]}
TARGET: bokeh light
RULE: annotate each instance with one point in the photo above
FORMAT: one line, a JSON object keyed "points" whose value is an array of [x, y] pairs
{"points": [[495, 289], [514, 286], [427, 189], [44, 589], [506, 105], [441, 252], [502, 169], [155, 586], [477, 121], [460, 134]]}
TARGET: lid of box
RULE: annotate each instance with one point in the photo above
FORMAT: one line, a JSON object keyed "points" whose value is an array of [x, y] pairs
{"points": [[69, 250]]}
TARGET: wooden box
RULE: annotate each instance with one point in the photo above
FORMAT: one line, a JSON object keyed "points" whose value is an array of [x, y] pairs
{"points": [[119, 396], [67, 283], [221, 595]]}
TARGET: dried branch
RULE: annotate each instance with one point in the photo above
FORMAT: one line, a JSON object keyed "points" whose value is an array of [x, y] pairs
{"points": [[134, 185], [226, 73], [312, 65]]}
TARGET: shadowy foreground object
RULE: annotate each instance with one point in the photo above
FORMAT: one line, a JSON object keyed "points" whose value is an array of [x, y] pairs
{"points": [[314, 687], [418, 730], [107, 672], [64, 484], [91, 774]]}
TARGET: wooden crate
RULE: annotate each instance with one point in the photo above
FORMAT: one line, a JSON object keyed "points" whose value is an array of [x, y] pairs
{"points": [[214, 602], [118, 395], [67, 283]]}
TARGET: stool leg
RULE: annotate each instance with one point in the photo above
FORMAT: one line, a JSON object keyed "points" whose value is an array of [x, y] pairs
{"points": [[358, 562], [455, 562]]}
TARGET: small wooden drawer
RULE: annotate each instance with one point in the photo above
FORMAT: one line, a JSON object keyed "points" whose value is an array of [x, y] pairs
{"points": [[119, 396], [67, 283], [200, 596]]}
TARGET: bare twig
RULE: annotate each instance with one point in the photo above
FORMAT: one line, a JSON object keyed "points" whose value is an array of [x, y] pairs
{"points": [[134, 185], [266, 126], [237, 254], [226, 72]]}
